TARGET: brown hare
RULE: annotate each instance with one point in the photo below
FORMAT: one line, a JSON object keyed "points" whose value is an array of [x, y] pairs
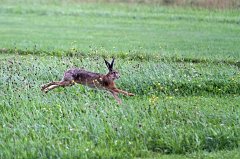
{"points": [[90, 79]]}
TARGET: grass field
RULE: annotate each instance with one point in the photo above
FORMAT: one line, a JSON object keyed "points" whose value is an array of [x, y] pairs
{"points": [[182, 64]]}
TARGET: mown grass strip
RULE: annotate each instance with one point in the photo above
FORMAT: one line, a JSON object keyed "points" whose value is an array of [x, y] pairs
{"points": [[137, 56]]}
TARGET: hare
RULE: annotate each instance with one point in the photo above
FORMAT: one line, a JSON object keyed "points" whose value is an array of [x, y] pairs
{"points": [[91, 79]]}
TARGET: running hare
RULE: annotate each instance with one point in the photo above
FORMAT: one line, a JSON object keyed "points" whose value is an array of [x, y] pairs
{"points": [[90, 79]]}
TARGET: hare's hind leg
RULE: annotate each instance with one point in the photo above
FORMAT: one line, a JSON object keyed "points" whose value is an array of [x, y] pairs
{"points": [[49, 84], [53, 85], [115, 95], [67, 80]]}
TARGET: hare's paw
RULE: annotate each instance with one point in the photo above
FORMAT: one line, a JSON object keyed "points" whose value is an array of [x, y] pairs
{"points": [[119, 102], [45, 90], [43, 87], [131, 94]]}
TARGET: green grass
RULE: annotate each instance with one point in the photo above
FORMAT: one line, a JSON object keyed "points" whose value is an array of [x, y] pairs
{"points": [[121, 28], [182, 64], [78, 121]]}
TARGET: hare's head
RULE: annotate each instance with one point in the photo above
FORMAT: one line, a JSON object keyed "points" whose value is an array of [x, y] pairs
{"points": [[112, 74]]}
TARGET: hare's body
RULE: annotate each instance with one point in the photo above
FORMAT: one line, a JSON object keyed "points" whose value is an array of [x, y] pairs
{"points": [[91, 79], [83, 77]]}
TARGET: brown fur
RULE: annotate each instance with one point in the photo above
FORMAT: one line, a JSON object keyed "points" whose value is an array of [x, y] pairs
{"points": [[91, 79]]}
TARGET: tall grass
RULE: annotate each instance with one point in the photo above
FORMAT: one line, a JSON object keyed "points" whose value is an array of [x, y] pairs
{"points": [[82, 122]]}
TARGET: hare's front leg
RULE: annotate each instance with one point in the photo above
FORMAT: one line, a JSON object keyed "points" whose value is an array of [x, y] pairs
{"points": [[123, 92], [115, 95]]}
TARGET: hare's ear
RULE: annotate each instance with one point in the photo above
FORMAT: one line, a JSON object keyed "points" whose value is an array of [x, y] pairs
{"points": [[108, 64], [111, 65]]}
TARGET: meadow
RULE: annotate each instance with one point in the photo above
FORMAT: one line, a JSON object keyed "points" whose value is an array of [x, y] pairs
{"points": [[182, 64]]}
